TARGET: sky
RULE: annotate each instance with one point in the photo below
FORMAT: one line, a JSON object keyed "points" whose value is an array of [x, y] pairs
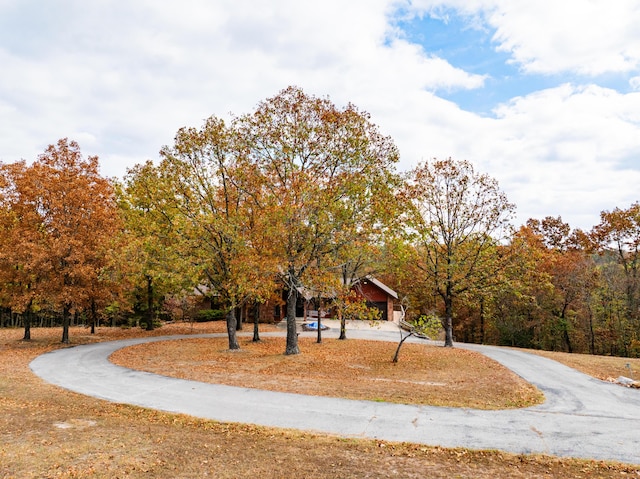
{"points": [[543, 96]]}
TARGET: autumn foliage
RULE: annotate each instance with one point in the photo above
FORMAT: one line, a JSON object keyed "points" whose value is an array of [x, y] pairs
{"points": [[59, 219], [300, 197]]}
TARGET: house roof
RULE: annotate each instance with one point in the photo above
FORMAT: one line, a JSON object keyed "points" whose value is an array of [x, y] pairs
{"points": [[308, 293], [383, 287]]}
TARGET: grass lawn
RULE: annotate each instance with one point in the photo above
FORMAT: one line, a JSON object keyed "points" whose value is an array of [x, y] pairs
{"points": [[425, 374], [49, 432]]}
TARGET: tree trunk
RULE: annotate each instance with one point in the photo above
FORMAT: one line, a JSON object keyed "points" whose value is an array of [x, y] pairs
{"points": [[256, 320], [343, 327], [567, 340], [565, 334], [565, 328], [482, 320], [239, 318], [65, 323], [319, 323], [149, 303], [292, 330], [402, 340], [27, 324], [94, 316], [592, 338], [231, 329], [448, 321]]}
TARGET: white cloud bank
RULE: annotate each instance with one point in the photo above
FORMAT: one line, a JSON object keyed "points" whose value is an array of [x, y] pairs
{"points": [[122, 77]]}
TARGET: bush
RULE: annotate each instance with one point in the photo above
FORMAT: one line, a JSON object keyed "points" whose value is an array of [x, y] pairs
{"points": [[429, 325], [156, 323], [205, 315]]}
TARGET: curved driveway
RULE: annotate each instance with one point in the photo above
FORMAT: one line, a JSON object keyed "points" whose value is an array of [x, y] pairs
{"points": [[582, 417]]}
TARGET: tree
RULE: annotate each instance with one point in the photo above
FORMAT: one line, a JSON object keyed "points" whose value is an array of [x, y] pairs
{"points": [[455, 219], [218, 230], [613, 332], [513, 308], [617, 239], [320, 170], [356, 261], [425, 327], [19, 275], [149, 262], [64, 218], [619, 231], [565, 303]]}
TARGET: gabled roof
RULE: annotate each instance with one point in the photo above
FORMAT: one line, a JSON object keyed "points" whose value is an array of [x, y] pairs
{"points": [[382, 286], [308, 294]]}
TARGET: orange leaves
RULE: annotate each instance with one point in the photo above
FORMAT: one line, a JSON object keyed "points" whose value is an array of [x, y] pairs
{"points": [[455, 220], [216, 226], [170, 446], [273, 196], [62, 217]]}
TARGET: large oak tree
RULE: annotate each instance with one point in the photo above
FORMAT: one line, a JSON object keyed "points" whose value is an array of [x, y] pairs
{"points": [[20, 276], [215, 232], [63, 219], [321, 172], [149, 263]]}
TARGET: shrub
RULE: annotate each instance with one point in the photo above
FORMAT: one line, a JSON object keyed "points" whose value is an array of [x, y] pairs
{"points": [[429, 325], [205, 315]]}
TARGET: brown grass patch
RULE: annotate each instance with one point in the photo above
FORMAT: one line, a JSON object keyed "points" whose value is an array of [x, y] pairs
{"points": [[352, 369], [105, 440]]}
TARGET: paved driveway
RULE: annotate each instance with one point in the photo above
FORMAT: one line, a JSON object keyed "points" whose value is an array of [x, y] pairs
{"points": [[582, 417]]}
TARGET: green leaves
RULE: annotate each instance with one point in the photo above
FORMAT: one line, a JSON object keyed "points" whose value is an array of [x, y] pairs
{"points": [[277, 195]]}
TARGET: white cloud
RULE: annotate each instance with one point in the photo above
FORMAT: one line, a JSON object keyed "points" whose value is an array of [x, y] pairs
{"points": [[548, 36], [591, 38], [568, 151], [142, 69], [122, 78], [571, 151]]}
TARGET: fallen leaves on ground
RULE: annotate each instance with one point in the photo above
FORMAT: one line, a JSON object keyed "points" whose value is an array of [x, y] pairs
{"points": [[352, 369], [601, 367], [119, 441]]}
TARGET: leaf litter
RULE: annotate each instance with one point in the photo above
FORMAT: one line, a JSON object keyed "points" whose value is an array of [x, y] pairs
{"points": [[131, 442]]}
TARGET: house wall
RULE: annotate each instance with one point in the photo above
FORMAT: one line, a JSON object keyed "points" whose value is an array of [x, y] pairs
{"points": [[375, 295], [372, 292]]}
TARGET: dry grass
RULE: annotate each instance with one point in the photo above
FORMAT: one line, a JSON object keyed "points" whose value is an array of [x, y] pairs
{"points": [[424, 375], [46, 432]]}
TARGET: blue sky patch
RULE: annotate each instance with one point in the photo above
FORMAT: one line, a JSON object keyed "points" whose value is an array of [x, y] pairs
{"points": [[467, 44]]}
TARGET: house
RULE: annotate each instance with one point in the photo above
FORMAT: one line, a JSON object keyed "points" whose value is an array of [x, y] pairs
{"points": [[374, 292], [378, 295]]}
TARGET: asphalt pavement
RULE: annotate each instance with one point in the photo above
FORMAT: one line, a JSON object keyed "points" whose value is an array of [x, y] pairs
{"points": [[582, 417]]}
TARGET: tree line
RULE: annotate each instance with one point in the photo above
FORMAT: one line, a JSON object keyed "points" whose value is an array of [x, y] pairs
{"points": [[303, 197]]}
